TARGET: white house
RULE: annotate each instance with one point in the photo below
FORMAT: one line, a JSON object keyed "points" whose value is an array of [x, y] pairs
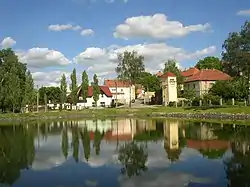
{"points": [[105, 98], [120, 90]]}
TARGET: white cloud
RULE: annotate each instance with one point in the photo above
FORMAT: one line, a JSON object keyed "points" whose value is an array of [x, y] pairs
{"points": [[155, 54], [7, 42], [49, 78], [42, 57], [244, 12], [63, 27], [87, 32], [156, 26]]}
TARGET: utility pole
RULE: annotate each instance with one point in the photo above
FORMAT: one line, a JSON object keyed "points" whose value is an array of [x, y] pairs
{"points": [[37, 99]]}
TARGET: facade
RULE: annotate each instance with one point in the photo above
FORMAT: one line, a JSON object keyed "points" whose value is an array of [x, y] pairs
{"points": [[202, 81], [169, 88], [120, 90], [105, 98]]}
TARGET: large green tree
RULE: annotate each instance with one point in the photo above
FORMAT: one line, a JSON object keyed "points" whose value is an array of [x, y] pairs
{"points": [[63, 87], [85, 86], [130, 67], [96, 89], [171, 65], [236, 49], [149, 82], [73, 87], [12, 81], [209, 62], [30, 94], [49, 94]]}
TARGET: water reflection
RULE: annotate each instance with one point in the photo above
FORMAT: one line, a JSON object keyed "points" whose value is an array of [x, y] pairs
{"points": [[92, 153]]}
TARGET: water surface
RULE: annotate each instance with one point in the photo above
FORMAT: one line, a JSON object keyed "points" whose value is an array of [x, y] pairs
{"points": [[88, 153]]}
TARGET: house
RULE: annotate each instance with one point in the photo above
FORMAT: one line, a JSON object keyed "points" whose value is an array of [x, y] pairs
{"points": [[105, 98], [189, 72], [203, 80], [169, 88], [120, 90]]}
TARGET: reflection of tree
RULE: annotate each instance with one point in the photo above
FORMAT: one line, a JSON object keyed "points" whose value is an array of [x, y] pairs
{"points": [[133, 158], [86, 143], [213, 153], [75, 143], [16, 152], [238, 169], [65, 142], [173, 154], [97, 141]]}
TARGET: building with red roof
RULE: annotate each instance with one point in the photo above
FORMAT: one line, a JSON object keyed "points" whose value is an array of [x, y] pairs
{"points": [[120, 89], [203, 80], [105, 98]]}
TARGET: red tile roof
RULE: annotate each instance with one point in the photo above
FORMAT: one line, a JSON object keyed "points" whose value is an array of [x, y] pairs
{"points": [[190, 72], [104, 89], [208, 75], [159, 73], [208, 144], [116, 83], [167, 74]]}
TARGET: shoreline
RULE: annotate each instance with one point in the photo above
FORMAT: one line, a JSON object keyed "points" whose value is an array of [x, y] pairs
{"points": [[161, 112]]}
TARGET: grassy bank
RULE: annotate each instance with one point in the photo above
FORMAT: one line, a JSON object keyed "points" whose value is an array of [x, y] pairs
{"points": [[112, 112]]}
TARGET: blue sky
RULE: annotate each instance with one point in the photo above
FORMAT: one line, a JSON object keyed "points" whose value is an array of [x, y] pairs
{"points": [[158, 29]]}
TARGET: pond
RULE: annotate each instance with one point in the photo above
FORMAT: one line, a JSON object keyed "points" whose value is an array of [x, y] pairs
{"points": [[124, 153]]}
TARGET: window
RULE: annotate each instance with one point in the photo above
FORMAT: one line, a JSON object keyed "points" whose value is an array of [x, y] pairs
{"points": [[102, 95], [193, 86], [93, 104], [113, 89], [121, 90], [80, 98], [102, 104], [172, 81]]}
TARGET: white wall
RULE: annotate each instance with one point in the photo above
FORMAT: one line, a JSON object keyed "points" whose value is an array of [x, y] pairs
{"points": [[172, 89], [102, 99], [123, 95]]}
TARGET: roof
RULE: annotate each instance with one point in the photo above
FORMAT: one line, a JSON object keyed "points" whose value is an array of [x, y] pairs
{"points": [[104, 89], [116, 83], [208, 75], [190, 72], [167, 74], [159, 73]]}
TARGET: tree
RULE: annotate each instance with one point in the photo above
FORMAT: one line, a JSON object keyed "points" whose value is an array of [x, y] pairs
{"points": [[210, 62], [235, 51], [149, 81], [63, 88], [29, 96], [75, 142], [85, 86], [52, 94], [86, 143], [130, 66], [96, 89], [12, 81], [65, 142], [73, 87]]}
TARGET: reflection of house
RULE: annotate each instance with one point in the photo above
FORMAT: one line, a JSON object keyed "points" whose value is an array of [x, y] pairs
{"points": [[201, 81], [208, 144], [120, 90], [105, 98], [169, 88]]}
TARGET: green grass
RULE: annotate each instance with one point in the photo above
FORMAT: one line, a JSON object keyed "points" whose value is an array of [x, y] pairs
{"points": [[112, 112]]}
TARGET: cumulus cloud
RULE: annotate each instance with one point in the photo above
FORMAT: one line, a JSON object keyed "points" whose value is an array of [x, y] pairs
{"points": [[244, 12], [42, 57], [49, 78], [63, 27], [156, 26], [7, 42], [87, 32], [155, 54]]}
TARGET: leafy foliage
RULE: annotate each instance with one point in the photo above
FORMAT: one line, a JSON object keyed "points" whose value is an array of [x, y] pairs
{"points": [[172, 66], [16, 83], [63, 87], [130, 66], [73, 87], [133, 158], [209, 62], [52, 94], [149, 81], [236, 52], [96, 89], [85, 85]]}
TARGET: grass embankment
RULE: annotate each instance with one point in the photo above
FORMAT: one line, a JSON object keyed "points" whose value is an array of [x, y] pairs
{"points": [[125, 112]]}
